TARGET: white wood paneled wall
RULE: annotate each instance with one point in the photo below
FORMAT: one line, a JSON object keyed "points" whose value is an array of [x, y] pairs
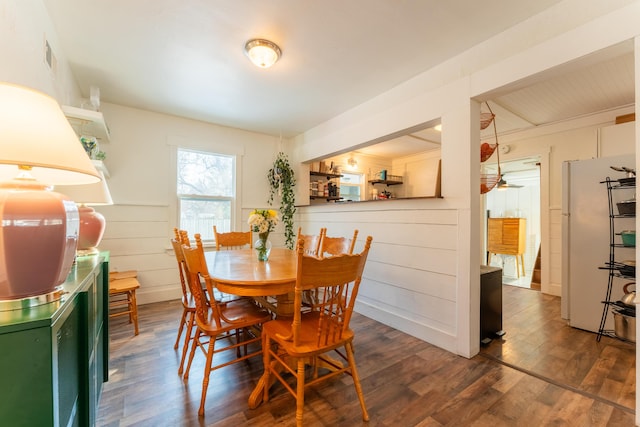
{"points": [[409, 280], [136, 237]]}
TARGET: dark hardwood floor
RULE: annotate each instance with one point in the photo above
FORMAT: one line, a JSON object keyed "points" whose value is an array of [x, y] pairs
{"points": [[541, 373]]}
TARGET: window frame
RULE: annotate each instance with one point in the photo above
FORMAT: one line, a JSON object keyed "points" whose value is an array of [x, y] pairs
{"points": [[180, 143]]}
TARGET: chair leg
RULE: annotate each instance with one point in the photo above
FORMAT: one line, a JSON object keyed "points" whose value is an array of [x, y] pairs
{"points": [[185, 347], [194, 345], [356, 379], [134, 310], [300, 392], [266, 361], [247, 336], [180, 328], [238, 334], [207, 372]]}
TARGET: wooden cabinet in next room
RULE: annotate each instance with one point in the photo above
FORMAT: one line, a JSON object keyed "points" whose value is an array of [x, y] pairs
{"points": [[507, 236]]}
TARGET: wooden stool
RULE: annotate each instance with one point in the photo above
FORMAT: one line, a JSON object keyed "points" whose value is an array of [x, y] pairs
{"points": [[122, 294]]}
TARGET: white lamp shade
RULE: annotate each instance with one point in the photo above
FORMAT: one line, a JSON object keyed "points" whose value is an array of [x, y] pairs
{"points": [[34, 132]]}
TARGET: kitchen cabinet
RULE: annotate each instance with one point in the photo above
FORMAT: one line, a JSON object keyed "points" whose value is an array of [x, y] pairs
{"points": [[507, 236], [54, 356]]}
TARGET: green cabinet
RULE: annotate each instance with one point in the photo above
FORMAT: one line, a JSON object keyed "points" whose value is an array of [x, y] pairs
{"points": [[53, 357]]}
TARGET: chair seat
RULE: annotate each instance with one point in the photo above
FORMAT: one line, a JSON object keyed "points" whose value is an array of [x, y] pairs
{"points": [[279, 329], [123, 285], [240, 313]]}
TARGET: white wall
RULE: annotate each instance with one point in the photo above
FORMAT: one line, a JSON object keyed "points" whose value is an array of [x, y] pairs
{"points": [[141, 162], [24, 26], [557, 36]]}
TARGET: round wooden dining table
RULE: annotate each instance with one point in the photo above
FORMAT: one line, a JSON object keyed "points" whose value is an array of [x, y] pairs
{"points": [[238, 272]]}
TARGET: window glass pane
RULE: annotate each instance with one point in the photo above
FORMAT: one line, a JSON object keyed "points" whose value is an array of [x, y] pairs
{"points": [[205, 192], [200, 215], [350, 186], [205, 173], [350, 192], [351, 178]]}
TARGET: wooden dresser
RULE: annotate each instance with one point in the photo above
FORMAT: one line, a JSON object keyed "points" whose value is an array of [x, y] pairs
{"points": [[507, 236]]}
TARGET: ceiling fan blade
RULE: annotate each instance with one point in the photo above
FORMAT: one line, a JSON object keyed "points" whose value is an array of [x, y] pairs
{"points": [[504, 184]]}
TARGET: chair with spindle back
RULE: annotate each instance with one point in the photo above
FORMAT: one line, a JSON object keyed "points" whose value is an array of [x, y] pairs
{"points": [[218, 320], [187, 320], [232, 239], [332, 246], [321, 330], [311, 241]]}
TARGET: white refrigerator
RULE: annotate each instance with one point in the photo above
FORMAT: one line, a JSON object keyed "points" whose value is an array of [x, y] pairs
{"points": [[585, 240]]}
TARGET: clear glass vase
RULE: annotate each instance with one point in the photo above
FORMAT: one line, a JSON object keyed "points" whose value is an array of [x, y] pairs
{"points": [[263, 247]]}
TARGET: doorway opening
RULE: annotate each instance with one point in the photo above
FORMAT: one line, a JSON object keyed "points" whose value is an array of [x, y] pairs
{"points": [[517, 196]]}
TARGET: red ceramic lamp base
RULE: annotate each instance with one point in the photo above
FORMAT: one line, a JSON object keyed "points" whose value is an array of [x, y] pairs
{"points": [[38, 239], [92, 225]]}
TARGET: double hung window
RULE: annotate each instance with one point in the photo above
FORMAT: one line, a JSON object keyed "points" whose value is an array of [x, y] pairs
{"points": [[351, 186], [206, 192]]}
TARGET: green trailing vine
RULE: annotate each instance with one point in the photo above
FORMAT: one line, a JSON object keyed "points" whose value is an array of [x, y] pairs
{"points": [[281, 181]]}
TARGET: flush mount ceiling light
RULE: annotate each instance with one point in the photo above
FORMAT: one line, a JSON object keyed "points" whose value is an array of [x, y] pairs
{"points": [[262, 53]]}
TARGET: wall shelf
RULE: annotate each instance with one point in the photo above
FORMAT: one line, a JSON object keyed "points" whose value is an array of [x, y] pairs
{"points": [[87, 122], [387, 182], [325, 174]]}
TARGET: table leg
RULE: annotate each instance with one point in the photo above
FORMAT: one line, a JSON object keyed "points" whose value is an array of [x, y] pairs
{"points": [[284, 305], [255, 398]]}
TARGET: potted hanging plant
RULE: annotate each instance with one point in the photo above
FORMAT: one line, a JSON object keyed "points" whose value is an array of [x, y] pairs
{"points": [[281, 182]]}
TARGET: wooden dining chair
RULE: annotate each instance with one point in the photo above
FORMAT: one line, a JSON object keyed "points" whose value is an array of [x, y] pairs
{"points": [[218, 322], [233, 239], [331, 246], [187, 320], [322, 330], [311, 241]]}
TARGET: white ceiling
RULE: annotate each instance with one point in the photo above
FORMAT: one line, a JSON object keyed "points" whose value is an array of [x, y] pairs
{"points": [[185, 58]]}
